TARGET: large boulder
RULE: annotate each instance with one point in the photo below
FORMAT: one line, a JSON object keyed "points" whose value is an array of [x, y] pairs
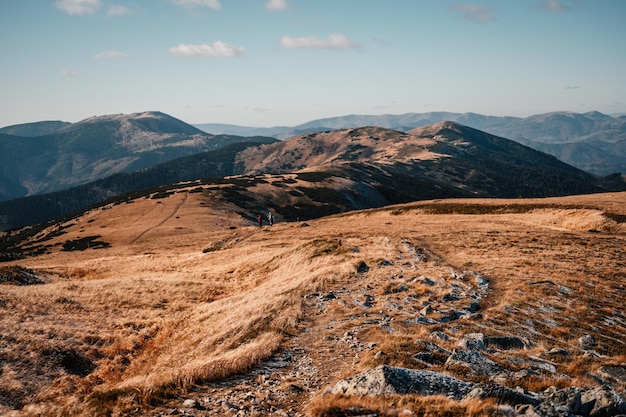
{"points": [[386, 380], [603, 402]]}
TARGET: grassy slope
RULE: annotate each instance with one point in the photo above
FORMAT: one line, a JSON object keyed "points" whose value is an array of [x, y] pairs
{"points": [[190, 291]]}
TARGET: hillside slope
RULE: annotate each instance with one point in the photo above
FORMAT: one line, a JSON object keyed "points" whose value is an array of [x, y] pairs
{"points": [[348, 169], [593, 142], [96, 148], [177, 303]]}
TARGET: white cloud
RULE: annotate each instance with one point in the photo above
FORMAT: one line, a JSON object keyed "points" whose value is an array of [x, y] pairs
{"points": [[118, 10], [79, 7], [475, 12], [110, 55], [215, 50], [334, 41], [276, 5], [554, 6], [211, 4], [258, 109], [68, 73]]}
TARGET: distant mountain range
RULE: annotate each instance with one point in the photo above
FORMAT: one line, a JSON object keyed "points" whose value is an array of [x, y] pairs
{"points": [[322, 173], [42, 157], [592, 141]]}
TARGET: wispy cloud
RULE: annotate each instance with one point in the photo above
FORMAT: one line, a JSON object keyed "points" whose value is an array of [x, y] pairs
{"points": [[382, 42], [215, 50], [119, 10], [276, 5], [68, 74], [572, 87], [475, 12], [211, 4], [257, 109], [554, 6], [110, 55], [334, 41], [78, 7]]}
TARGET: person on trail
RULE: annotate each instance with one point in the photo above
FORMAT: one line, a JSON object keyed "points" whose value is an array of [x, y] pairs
{"points": [[270, 218], [260, 220]]}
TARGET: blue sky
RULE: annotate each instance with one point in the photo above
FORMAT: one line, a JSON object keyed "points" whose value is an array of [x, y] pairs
{"points": [[285, 62]]}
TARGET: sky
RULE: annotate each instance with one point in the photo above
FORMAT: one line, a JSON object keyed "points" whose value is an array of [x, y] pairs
{"points": [[286, 62]]}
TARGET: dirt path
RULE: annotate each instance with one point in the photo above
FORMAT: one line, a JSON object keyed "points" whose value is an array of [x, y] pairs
{"points": [[178, 206]]}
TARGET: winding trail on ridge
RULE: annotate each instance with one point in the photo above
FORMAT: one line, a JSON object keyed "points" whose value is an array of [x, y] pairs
{"points": [[178, 206]]}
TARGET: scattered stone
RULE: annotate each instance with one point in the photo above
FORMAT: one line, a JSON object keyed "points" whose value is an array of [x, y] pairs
{"points": [[362, 267], [426, 310], [473, 307], [587, 342], [555, 352], [505, 342], [474, 360], [604, 402], [282, 361], [472, 341], [431, 347], [426, 357], [502, 394], [440, 336], [616, 372], [472, 316], [446, 318], [190, 403], [567, 400], [481, 281], [526, 410], [425, 280]]}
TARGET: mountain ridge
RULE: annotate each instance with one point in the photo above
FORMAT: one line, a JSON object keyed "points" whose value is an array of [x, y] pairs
{"points": [[97, 147], [343, 170], [567, 135]]}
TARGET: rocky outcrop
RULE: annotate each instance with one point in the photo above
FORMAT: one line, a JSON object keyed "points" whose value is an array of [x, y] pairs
{"points": [[553, 402], [386, 380]]}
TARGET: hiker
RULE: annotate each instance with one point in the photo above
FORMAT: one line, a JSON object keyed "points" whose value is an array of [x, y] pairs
{"points": [[260, 220], [270, 218]]}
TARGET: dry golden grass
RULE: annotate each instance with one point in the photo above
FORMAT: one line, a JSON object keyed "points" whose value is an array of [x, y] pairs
{"points": [[125, 327], [398, 406]]}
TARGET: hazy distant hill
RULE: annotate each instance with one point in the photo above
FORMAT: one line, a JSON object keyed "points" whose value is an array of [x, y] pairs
{"points": [[343, 170], [592, 141], [95, 148]]}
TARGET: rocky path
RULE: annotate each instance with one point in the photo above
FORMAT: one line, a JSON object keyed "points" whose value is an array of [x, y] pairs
{"points": [[409, 288]]}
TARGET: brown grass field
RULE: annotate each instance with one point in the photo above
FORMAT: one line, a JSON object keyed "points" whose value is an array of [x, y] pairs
{"points": [[190, 299]]}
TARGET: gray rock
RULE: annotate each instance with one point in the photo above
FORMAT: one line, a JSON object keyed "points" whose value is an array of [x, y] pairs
{"points": [[426, 310], [603, 402], [526, 410], [440, 336], [555, 352], [501, 394], [190, 403], [389, 380], [473, 341], [616, 372], [431, 347], [567, 399], [587, 342], [505, 342], [474, 360]]}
